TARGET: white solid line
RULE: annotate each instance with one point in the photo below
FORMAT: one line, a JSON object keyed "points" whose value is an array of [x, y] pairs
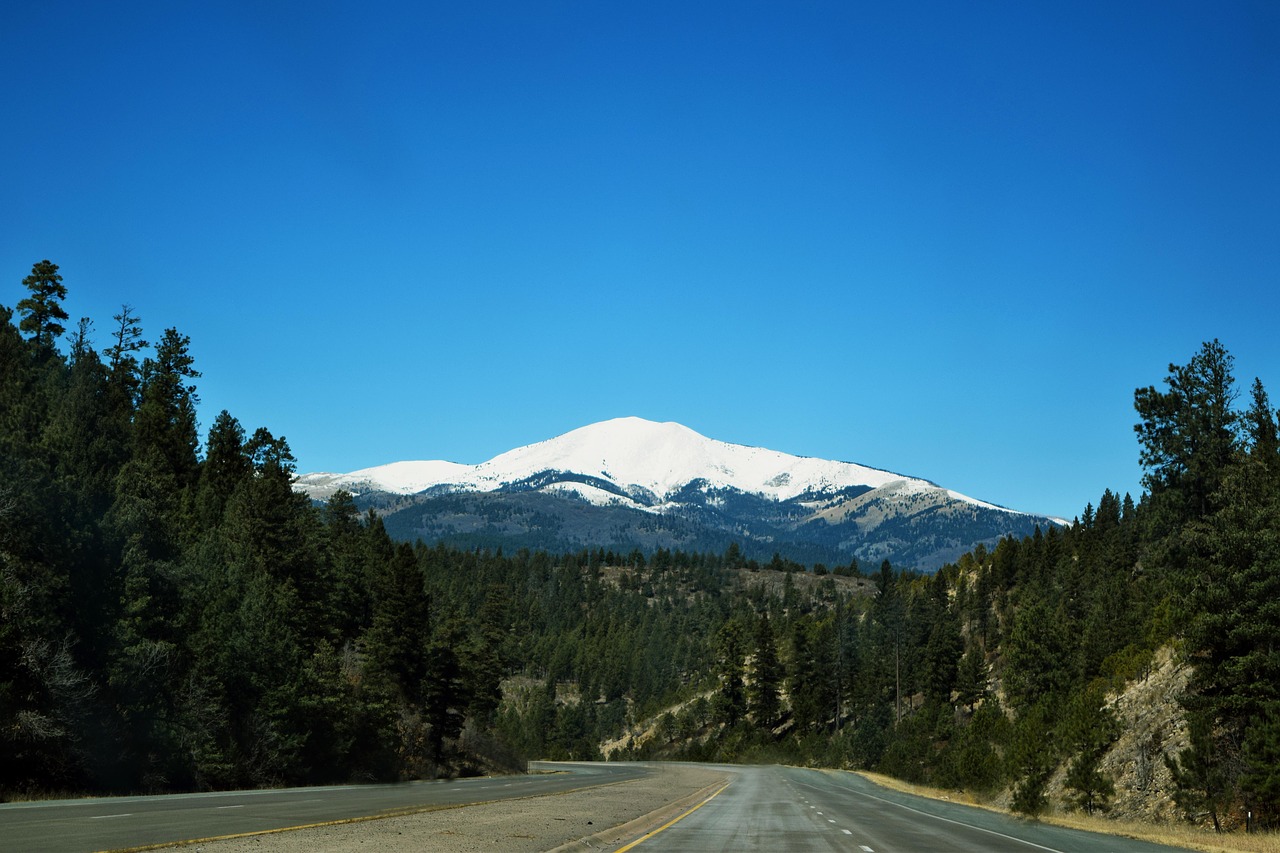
{"points": [[961, 823]]}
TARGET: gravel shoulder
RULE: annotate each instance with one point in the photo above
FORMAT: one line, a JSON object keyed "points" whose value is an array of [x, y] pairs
{"points": [[590, 819]]}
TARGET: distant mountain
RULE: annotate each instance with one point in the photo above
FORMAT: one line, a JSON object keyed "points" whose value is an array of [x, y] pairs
{"points": [[631, 483]]}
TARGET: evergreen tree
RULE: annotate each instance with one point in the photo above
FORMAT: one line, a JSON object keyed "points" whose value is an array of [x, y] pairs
{"points": [[766, 677], [397, 642], [1188, 434], [166, 417], [444, 688], [971, 677], [1199, 777], [731, 702], [42, 311], [126, 340], [1260, 425], [225, 467], [1260, 781]]}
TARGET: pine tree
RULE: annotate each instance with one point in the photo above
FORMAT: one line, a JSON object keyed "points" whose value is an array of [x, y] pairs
{"points": [[127, 339], [731, 702], [1260, 425], [42, 311], [166, 417], [1188, 434], [397, 641], [766, 677], [225, 467], [1199, 778], [1260, 782]]}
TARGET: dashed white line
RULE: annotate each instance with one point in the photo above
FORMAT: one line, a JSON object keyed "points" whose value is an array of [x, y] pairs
{"points": [[105, 816], [230, 807], [865, 847]]}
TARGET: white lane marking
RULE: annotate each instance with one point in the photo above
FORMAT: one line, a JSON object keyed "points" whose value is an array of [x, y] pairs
{"points": [[850, 832], [956, 822], [105, 816], [219, 808], [829, 820], [863, 846]]}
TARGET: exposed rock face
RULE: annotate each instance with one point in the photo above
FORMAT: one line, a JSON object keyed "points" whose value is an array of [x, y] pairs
{"points": [[1153, 725]]}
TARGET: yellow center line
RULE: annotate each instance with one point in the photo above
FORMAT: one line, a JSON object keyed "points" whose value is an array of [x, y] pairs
{"points": [[672, 822]]}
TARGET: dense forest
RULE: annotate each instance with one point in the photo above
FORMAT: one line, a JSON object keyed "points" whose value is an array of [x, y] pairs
{"points": [[173, 616]]}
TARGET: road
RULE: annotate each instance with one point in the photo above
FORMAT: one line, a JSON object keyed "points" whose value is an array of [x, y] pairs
{"points": [[110, 823], [758, 808], [795, 809]]}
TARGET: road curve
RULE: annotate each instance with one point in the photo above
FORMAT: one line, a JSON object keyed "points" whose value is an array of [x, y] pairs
{"points": [[113, 823], [795, 809]]}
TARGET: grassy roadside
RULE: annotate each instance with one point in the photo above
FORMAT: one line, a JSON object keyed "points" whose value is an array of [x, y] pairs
{"points": [[1176, 835]]}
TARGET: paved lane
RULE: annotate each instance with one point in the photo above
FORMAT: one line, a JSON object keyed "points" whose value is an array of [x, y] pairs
{"points": [[793, 809], [110, 823]]}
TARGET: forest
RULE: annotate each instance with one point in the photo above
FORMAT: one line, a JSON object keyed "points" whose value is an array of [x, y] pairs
{"points": [[174, 617]]}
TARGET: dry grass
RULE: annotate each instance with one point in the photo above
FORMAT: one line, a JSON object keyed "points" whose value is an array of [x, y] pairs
{"points": [[1175, 835]]}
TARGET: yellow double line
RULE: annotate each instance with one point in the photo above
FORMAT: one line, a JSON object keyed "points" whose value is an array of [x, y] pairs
{"points": [[672, 822]]}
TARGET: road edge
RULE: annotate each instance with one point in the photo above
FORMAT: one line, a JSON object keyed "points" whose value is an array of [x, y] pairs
{"points": [[642, 825]]}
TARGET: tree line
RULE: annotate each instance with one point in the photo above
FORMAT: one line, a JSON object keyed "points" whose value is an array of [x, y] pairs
{"points": [[176, 617], [995, 672]]}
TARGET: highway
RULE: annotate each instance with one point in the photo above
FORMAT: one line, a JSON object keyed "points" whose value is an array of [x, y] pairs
{"points": [[758, 809], [795, 809], [112, 823]]}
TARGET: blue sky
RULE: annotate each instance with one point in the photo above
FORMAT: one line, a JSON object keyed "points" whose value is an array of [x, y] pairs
{"points": [[947, 239]]}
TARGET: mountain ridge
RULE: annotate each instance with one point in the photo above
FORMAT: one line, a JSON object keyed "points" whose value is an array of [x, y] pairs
{"points": [[694, 491]]}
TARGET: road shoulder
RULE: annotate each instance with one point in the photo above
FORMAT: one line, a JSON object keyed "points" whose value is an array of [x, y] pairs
{"points": [[583, 819]]}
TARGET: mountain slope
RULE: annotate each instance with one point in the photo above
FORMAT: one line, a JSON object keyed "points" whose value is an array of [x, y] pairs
{"points": [[632, 483]]}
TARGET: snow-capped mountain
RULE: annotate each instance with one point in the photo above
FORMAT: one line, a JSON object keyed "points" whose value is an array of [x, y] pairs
{"points": [[694, 491]]}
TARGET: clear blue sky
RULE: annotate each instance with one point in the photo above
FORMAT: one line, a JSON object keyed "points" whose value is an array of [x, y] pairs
{"points": [[947, 239]]}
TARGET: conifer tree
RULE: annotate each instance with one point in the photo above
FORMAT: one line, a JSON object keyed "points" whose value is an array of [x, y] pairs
{"points": [[766, 677], [42, 311], [1188, 434], [126, 340], [731, 702], [166, 418], [226, 465]]}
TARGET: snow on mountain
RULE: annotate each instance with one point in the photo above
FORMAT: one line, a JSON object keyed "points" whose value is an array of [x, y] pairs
{"points": [[639, 457]]}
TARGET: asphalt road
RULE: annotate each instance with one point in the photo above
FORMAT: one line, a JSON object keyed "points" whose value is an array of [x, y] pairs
{"points": [[794, 809], [761, 808], [112, 823]]}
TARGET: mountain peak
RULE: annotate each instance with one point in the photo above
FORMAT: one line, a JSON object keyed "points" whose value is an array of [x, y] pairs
{"points": [[654, 484], [632, 453]]}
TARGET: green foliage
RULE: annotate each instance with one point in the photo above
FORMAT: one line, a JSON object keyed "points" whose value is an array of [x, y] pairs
{"points": [[1200, 775], [172, 620], [42, 311], [1188, 434], [972, 759], [766, 677], [1260, 781], [731, 700]]}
